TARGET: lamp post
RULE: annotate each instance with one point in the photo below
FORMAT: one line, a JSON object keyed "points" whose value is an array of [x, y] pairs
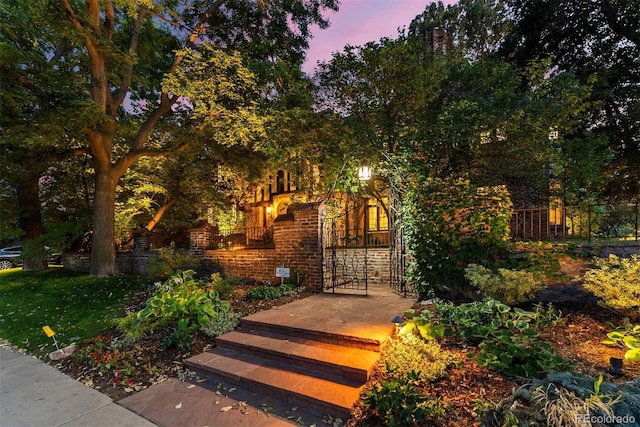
{"points": [[364, 173]]}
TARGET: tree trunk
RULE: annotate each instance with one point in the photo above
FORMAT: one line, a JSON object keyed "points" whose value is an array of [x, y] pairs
{"points": [[30, 217], [103, 251]]}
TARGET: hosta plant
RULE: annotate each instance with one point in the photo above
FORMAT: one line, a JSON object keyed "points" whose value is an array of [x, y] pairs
{"points": [[628, 337]]}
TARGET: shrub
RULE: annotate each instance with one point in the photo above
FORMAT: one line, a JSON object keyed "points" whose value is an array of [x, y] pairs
{"points": [[182, 301], [225, 286], [171, 259], [506, 336], [617, 282], [271, 292], [221, 324], [401, 403], [411, 354], [518, 354], [508, 286], [449, 224]]}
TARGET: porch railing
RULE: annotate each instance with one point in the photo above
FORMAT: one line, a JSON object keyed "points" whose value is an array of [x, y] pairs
{"points": [[247, 237], [584, 222]]}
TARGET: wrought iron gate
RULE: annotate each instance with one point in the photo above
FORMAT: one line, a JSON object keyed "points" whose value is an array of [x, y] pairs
{"points": [[345, 258], [397, 244], [347, 246]]}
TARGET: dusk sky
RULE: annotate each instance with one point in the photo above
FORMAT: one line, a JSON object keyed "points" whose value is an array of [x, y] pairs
{"points": [[361, 21]]}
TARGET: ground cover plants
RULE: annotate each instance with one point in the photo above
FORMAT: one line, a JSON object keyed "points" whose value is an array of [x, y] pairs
{"points": [[452, 363]]}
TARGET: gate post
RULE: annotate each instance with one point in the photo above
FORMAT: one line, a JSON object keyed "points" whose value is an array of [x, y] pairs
{"points": [[298, 242]]}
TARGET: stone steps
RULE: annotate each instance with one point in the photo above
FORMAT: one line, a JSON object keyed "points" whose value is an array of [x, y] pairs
{"points": [[349, 364], [320, 371], [341, 339], [285, 383]]}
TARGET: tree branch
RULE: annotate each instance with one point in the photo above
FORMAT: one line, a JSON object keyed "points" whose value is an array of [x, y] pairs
{"points": [[118, 98]]}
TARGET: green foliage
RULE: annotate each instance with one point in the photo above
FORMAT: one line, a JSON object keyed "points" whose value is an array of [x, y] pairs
{"points": [[76, 306], [225, 286], [271, 292], [627, 337], [508, 286], [421, 324], [182, 301], [401, 403], [180, 338], [507, 337], [451, 223], [171, 259], [410, 353], [221, 324], [519, 354], [617, 282]]}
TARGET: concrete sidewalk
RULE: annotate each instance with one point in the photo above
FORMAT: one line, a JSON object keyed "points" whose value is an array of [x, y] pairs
{"points": [[35, 394]]}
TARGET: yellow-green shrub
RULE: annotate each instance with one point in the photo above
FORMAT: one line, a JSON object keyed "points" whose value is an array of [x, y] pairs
{"points": [[508, 286], [410, 353], [617, 282]]}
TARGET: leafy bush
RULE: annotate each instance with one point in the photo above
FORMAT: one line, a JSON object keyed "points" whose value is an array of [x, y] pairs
{"points": [[519, 354], [508, 286], [221, 324], [182, 300], [422, 325], [401, 403], [224, 286], [171, 259], [449, 224], [617, 282], [270, 292], [506, 336], [627, 337], [411, 354]]}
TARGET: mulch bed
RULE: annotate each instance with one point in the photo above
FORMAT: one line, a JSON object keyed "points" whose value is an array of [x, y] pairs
{"points": [[464, 391]]}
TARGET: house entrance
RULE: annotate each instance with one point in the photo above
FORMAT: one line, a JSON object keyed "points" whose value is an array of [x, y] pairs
{"points": [[363, 247]]}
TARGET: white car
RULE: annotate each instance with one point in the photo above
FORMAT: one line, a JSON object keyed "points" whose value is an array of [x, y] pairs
{"points": [[10, 257]]}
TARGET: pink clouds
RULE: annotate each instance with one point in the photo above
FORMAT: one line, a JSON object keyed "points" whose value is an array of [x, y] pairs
{"points": [[361, 21]]}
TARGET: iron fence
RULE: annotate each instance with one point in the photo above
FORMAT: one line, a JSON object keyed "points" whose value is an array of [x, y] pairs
{"points": [[584, 222]]}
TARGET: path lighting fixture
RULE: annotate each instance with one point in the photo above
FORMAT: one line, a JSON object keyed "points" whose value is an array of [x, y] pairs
{"points": [[364, 173], [616, 366], [397, 320]]}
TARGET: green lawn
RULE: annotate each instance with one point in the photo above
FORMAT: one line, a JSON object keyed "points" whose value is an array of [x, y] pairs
{"points": [[76, 306]]}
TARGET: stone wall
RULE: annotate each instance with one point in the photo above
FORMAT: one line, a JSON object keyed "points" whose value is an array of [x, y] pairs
{"points": [[128, 263], [377, 263]]}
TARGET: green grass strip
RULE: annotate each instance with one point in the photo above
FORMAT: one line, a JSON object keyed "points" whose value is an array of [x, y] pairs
{"points": [[76, 306]]}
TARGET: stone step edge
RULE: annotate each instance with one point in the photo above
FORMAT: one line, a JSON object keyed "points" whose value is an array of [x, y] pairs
{"points": [[356, 365], [322, 336], [311, 399]]}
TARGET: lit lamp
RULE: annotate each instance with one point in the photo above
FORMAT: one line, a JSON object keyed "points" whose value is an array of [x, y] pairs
{"points": [[364, 173], [397, 320], [268, 210]]}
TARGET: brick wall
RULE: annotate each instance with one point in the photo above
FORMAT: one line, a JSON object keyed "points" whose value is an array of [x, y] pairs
{"points": [[296, 236]]}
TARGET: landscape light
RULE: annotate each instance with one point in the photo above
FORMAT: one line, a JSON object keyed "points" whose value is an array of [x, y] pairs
{"points": [[364, 173]]}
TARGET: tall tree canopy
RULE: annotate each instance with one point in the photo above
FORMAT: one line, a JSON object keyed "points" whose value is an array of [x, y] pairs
{"points": [[598, 40], [150, 67]]}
